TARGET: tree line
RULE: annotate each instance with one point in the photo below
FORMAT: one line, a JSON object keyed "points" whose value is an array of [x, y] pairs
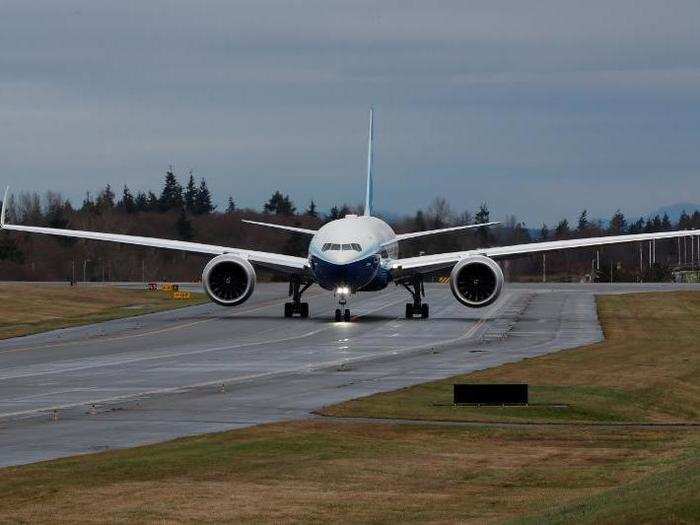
{"points": [[186, 211]]}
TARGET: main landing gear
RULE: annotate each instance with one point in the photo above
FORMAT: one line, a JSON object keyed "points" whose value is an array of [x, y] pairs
{"points": [[296, 288], [418, 308]]}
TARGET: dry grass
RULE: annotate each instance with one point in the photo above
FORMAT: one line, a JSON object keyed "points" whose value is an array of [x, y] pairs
{"points": [[647, 369], [27, 308], [356, 472], [325, 471]]}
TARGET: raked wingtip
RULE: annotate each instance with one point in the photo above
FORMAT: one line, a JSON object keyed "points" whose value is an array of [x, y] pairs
{"points": [[4, 207]]}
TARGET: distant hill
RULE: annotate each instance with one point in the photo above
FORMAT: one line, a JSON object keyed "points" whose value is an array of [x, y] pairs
{"points": [[674, 210]]}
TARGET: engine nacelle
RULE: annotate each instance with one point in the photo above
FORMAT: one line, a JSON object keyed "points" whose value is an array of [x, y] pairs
{"points": [[476, 281], [228, 280]]}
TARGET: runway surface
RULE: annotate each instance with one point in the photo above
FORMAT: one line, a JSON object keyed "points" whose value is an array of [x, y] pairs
{"points": [[207, 368]]}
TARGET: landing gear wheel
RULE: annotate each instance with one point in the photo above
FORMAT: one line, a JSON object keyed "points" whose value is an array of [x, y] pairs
{"points": [[296, 288], [346, 316], [424, 311], [338, 315], [415, 287]]}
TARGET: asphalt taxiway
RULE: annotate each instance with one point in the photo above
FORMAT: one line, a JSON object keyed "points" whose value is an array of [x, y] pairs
{"points": [[206, 368]]}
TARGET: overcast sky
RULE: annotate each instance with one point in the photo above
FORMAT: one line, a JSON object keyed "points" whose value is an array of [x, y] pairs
{"points": [[539, 108]]}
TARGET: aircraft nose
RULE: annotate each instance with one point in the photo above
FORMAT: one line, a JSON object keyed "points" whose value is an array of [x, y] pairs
{"points": [[342, 257]]}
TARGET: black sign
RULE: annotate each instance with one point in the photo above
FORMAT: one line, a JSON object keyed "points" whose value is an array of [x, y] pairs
{"points": [[486, 394]]}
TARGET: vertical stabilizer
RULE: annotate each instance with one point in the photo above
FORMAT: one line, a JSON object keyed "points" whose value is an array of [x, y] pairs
{"points": [[369, 194]]}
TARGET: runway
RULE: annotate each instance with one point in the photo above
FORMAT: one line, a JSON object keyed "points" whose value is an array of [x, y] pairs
{"points": [[207, 368]]}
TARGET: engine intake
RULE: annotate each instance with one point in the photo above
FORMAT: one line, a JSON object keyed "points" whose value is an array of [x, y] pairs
{"points": [[476, 281], [228, 280]]}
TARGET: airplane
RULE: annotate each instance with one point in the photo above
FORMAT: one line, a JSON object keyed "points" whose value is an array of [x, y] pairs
{"points": [[356, 253]]}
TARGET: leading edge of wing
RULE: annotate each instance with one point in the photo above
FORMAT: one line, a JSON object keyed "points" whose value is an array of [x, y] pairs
{"points": [[280, 262], [294, 229], [412, 235], [442, 260]]}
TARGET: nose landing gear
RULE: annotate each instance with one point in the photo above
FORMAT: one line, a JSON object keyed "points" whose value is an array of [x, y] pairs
{"points": [[296, 306], [417, 290], [342, 313]]}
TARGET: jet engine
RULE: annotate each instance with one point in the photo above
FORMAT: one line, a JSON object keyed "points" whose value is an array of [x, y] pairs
{"points": [[228, 280], [476, 281]]}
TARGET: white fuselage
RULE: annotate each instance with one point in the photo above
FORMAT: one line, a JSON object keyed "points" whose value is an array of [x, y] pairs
{"points": [[353, 252]]}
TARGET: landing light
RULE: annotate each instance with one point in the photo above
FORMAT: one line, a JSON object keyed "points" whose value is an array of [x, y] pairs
{"points": [[342, 290]]}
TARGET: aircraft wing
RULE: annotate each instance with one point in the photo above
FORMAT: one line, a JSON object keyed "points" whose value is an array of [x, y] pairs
{"points": [[275, 261], [413, 235], [429, 263], [294, 229]]}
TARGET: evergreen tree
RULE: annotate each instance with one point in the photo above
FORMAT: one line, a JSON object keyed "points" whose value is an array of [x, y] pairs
{"points": [[544, 232], [562, 231], [684, 221], [311, 210], [152, 202], [105, 200], [184, 226], [334, 213], [190, 194], [57, 211], [419, 222], [231, 206], [171, 196], [695, 220], [618, 223], [88, 204], [140, 202], [482, 216], [521, 234], [202, 199], [657, 223], [279, 205], [637, 226], [127, 203], [583, 222], [666, 223]]}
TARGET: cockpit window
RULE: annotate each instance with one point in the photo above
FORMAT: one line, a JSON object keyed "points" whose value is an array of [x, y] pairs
{"points": [[344, 247]]}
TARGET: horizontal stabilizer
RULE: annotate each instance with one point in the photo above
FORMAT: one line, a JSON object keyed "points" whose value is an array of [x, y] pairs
{"points": [[413, 235], [295, 229]]}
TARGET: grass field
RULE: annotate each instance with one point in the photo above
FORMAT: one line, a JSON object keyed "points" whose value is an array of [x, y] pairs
{"points": [[646, 369], [361, 472], [28, 308]]}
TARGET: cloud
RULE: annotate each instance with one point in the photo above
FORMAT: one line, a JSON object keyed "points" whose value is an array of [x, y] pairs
{"points": [[534, 107]]}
